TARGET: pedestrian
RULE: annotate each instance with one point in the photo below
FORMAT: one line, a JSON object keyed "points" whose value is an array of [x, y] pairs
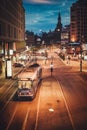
{"points": [[68, 59], [45, 60], [51, 68]]}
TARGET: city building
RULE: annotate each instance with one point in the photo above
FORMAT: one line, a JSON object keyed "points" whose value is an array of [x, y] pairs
{"points": [[65, 35], [58, 29], [30, 38], [78, 27], [12, 27], [12, 30]]}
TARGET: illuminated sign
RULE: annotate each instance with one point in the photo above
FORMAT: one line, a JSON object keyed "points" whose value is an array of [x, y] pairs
{"points": [[9, 68], [11, 52], [85, 57]]}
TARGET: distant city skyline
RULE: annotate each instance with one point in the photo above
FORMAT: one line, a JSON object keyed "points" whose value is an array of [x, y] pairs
{"points": [[42, 15]]}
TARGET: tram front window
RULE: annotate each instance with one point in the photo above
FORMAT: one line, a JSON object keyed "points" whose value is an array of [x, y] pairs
{"points": [[24, 84]]}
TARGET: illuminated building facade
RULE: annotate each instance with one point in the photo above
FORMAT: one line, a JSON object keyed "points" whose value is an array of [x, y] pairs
{"points": [[12, 26], [65, 35], [78, 27]]}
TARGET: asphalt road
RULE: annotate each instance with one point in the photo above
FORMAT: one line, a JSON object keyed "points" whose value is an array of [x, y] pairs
{"points": [[60, 102]]}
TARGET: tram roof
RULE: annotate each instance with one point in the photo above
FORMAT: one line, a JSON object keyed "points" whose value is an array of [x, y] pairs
{"points": [[29, 73]]}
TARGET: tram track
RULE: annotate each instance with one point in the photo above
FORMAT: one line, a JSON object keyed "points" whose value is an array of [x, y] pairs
{"points": [[34, 114], [65, 101], [7, 88], [7, 92], [28, 113], [26, 119], [63, 96], [62, 93]]}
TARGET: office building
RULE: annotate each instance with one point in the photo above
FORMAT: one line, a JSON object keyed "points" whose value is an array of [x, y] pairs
{"points": [[78, 27], [12, 26]]}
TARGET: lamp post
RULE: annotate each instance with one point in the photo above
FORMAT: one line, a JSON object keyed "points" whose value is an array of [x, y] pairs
{"points": [[81, 51], [81, 61]]}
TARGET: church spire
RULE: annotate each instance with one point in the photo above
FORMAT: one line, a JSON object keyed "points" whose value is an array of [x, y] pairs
{"points": [[59, 18], [59, 25], [58, 29]]}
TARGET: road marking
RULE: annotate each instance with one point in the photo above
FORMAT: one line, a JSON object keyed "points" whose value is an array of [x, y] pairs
{"points": [[51, 110], [37, 113], [11, 118], [25, 121], [10, 86], [70, 117], [9, 100]]}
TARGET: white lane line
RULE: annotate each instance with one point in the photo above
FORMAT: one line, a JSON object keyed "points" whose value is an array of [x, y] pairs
{"points": [[25, 121], [10, 86], [70, 117], [9, 100], [36, 124], [11, 118]]}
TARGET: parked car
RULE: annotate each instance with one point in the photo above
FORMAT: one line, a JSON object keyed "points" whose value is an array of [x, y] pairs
{"points": [[17, 65]]}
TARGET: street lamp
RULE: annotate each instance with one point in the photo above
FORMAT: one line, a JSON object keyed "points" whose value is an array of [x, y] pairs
{"points": [[81, 61], [81, 51]]}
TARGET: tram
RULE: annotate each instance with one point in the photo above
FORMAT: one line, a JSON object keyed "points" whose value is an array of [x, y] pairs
{"points": [[28, 81]]}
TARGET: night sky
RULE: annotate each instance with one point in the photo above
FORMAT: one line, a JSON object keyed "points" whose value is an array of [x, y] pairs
{"points": [[42, 15]]}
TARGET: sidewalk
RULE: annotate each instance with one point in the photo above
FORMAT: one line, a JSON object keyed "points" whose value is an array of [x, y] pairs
{"points": [[76, 63]]}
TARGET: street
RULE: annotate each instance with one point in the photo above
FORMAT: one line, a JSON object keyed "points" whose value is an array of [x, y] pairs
{"points": [[60, 102]]}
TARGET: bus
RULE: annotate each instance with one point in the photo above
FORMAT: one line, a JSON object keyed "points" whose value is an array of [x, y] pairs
{"points": [[28, 81]]}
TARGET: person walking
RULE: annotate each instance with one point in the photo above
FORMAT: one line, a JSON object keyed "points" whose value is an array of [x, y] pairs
{"points": [[68, 59], [51, 68]]}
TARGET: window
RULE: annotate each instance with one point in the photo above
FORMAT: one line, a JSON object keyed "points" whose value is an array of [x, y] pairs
{"points": [[9, 30]]}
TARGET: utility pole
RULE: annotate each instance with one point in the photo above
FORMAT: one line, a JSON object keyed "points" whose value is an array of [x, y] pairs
{"points": [[81, 61]]}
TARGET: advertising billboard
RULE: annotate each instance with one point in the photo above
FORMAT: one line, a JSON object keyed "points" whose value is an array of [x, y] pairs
{"points": [[8, 68]]}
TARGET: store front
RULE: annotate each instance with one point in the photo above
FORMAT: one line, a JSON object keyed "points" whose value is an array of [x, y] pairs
{"points": [[9, 50]]}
